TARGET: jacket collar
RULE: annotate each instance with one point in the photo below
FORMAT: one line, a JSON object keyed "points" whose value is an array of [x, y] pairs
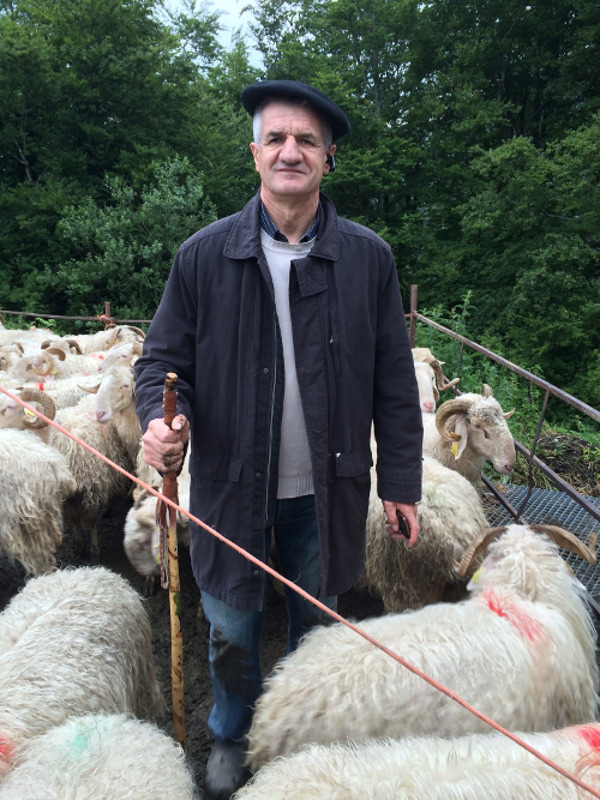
{"points": [[244, 238]]}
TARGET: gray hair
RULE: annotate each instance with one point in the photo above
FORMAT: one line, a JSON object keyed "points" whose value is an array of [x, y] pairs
{"points": [[257, 118]]}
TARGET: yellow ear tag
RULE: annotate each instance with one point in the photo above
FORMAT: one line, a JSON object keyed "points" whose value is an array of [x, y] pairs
{"points": [[477, 575], [30, 413], [454, 449], [53, 372]]}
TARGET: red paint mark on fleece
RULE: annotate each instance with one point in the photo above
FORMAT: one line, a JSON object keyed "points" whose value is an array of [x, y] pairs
{"points": [[6, 749], [591, 735], [526, 626]]}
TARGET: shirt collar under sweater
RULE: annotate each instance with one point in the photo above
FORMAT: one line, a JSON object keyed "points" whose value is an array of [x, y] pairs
{"points": [[269, 227]]}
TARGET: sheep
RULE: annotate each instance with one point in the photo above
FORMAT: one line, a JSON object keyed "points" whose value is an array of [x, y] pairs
{"points": [[111, 336], [100, 756], [450, 515], [122, 355], [52, 364], [430, 378], [108, 423], [30, 338], [468, 430], [141, 531], [472, 767], [36, 480], [520, 649], [73, 642]]}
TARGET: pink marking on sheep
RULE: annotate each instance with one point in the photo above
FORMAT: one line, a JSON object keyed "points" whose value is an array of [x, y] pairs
{"points": [[591, 735], [496, 602]]}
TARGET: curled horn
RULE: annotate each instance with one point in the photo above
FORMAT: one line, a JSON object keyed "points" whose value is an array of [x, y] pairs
{"points": [[479, 544], [459, 405], [74, 345], [90, 389], [137, 330], [46, 402], [60, 354], [569, 541], [442, 381]]}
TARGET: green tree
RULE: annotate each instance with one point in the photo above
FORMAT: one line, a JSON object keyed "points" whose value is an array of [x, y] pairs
{"points": [[125, 246]]}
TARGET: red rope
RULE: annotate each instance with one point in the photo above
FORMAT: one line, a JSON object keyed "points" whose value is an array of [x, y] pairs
{"points": [[375, 642]]}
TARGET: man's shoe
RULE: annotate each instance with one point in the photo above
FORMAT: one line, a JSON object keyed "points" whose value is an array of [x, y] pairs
{"points": [[225, 771]]}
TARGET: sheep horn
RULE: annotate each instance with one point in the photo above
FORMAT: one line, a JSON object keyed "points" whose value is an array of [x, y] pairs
{"points": [[46, 343], [137, 330], [20, 346], [46, 402], [90, 389], [487, 391], [442, 381], [74, 345], [479, 543], [509, 414], [60, 354], [459, 405], [569, 541]]}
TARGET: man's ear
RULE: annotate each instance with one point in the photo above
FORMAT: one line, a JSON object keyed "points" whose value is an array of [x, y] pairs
{"points": [[254, 149]]}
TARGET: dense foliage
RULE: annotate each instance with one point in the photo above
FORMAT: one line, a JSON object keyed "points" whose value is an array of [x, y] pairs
{"points": [[474, 152]]}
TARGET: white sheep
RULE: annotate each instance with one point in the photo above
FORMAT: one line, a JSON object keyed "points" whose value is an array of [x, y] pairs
{"points": [[521, 650], [450, 515], [430, 378], [468, 430], [111, 336], [141, 531], [100, 756], [487, 766], [36, 480], [73, 642], [108, 423], [52, 364]]}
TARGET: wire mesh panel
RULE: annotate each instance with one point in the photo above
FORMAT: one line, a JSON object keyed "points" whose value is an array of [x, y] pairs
{"points": [[556, 508]]}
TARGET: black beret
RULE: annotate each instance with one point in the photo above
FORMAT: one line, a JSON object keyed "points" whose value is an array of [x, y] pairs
{"points": [[254, 94]]}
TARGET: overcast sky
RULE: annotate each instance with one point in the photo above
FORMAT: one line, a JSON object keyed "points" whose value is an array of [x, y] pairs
{"points": [[231, 17]]}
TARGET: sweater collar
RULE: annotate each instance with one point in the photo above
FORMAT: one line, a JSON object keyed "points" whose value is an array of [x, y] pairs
{"points": [[244, 238]]}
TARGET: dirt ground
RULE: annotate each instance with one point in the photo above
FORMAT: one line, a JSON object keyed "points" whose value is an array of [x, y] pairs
{"points": [[197, 691]]}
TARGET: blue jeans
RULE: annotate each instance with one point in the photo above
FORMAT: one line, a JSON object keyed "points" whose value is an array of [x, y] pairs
{"points": [[234, 656]]}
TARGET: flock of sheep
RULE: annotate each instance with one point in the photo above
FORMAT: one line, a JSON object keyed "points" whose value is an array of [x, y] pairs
{"points": [[494, 614]]}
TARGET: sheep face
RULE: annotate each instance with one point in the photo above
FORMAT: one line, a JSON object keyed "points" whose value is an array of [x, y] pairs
{"points": [[116, 393], [37, 367], [490, 436], [426, 382]]}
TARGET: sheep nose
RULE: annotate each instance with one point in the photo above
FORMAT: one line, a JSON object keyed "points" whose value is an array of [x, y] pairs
{"points": [[427, 405], [99, 415]]}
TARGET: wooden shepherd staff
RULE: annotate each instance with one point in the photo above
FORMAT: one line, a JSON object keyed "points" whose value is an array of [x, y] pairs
{"points": [[170, 575]]}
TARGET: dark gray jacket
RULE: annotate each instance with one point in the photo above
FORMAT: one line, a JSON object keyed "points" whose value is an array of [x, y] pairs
{"points": [[217, 329]]}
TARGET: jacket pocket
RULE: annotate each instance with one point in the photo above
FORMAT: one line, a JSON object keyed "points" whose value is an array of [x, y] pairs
{"points": [[350, 465], [216, 468]]}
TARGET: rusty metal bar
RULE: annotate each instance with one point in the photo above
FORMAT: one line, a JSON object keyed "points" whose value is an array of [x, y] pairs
{"points": [[412, 327], [80, 319], [564, 396], [501, 498]]}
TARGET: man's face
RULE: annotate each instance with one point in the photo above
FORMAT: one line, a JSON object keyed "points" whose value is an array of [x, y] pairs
{"points": [[291, 157]]}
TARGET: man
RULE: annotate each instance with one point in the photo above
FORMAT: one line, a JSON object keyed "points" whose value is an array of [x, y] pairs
{"points": [[285, 326]]}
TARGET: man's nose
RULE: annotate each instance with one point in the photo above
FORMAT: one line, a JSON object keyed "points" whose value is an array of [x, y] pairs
{"points": [[290, 150]]}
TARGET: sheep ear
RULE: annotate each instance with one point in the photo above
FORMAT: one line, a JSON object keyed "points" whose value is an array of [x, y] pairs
{"points": [[487, 391], [462, 431], [90, 389]]}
